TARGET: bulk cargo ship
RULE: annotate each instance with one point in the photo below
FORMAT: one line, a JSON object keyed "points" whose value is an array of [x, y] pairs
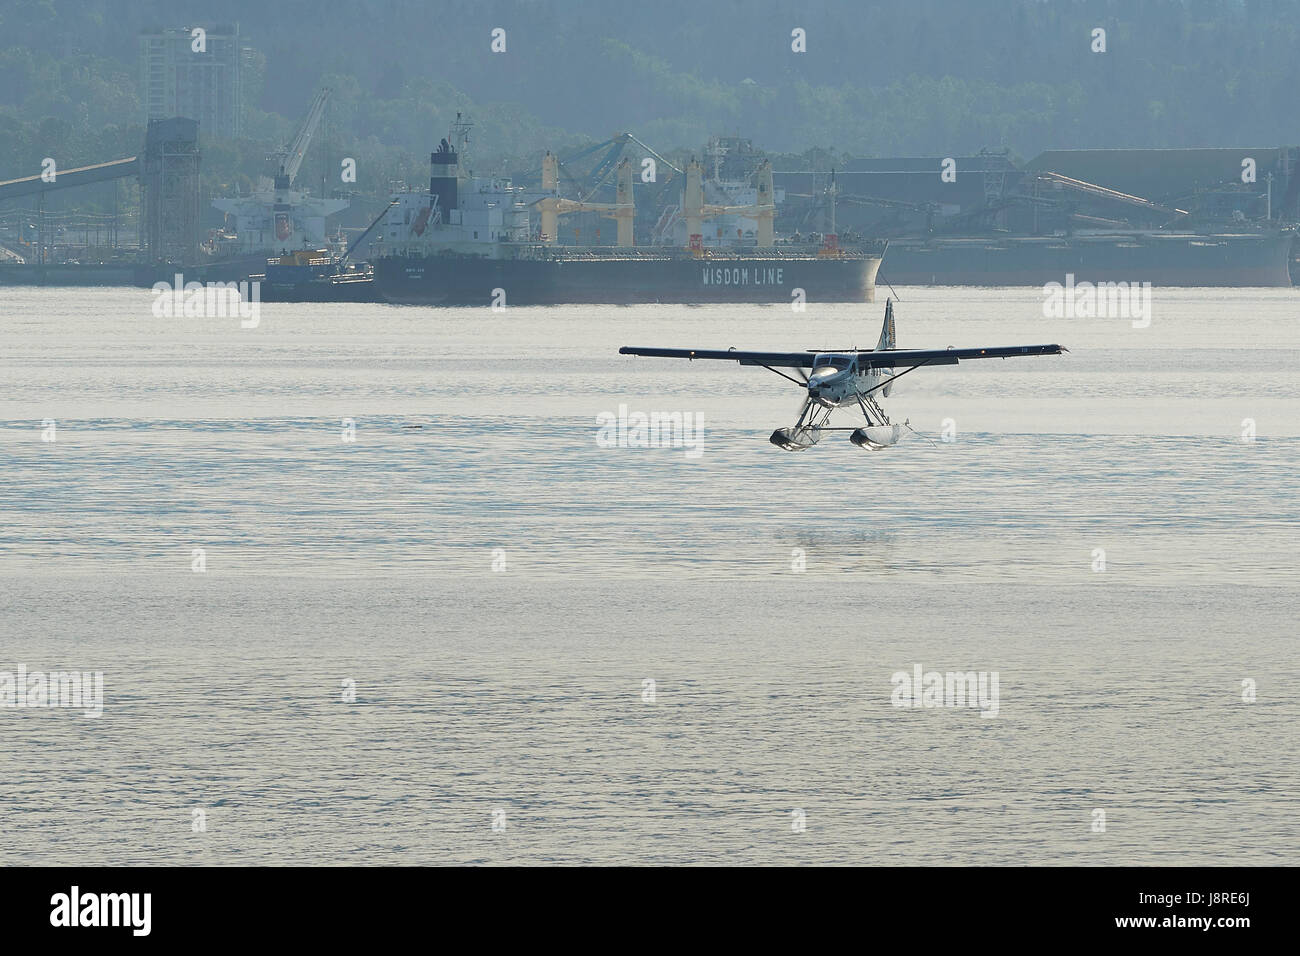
{"points": [[471, 241]]}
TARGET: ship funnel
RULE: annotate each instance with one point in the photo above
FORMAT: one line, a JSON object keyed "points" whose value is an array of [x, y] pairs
{"points": [[444, 174]]}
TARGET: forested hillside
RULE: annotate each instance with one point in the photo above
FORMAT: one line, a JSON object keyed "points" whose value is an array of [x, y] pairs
{"points": [[877, 78]]}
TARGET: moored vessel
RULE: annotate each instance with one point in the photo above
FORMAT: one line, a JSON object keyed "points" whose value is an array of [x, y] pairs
{"points": [[484, 241], [314, 275]]}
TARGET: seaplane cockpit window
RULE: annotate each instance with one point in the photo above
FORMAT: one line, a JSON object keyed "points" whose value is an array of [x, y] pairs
{"points": [[840, 362]]}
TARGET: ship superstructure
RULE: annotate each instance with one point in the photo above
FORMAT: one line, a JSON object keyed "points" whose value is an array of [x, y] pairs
{"points": [[459, 215]]}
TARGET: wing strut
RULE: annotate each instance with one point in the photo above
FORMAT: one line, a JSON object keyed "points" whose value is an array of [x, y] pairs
{"points": [[791, 378], [894, 378]]}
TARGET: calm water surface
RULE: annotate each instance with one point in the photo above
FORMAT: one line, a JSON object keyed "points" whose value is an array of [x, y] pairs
{"points": [[496, 588]]}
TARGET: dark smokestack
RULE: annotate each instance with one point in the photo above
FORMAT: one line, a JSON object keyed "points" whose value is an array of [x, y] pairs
{"points": [[444, 170]]}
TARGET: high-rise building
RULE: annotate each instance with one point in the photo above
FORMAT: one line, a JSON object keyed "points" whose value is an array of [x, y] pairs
{"points": [[193, 72]]}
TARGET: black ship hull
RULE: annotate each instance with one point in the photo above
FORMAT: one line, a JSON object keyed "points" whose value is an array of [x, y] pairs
{"points": [[1162, 260], [624, 280]]}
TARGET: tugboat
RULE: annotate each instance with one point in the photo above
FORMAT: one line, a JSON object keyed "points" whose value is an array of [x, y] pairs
{"points": [[314, 275]]}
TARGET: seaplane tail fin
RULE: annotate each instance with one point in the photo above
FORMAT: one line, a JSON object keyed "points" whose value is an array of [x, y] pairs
{"points": [[888, 339]]}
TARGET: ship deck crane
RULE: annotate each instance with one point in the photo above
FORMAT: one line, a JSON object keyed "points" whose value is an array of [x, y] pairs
{"points": [[291, 156], [695, 210], [623, 210], [614, 162]]}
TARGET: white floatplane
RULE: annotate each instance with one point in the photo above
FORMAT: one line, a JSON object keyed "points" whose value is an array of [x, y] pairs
{"points": [[839, 379]]}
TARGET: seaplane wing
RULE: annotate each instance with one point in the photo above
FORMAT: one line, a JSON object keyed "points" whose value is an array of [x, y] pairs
{"points": [[885, 358], [767, 359]]}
